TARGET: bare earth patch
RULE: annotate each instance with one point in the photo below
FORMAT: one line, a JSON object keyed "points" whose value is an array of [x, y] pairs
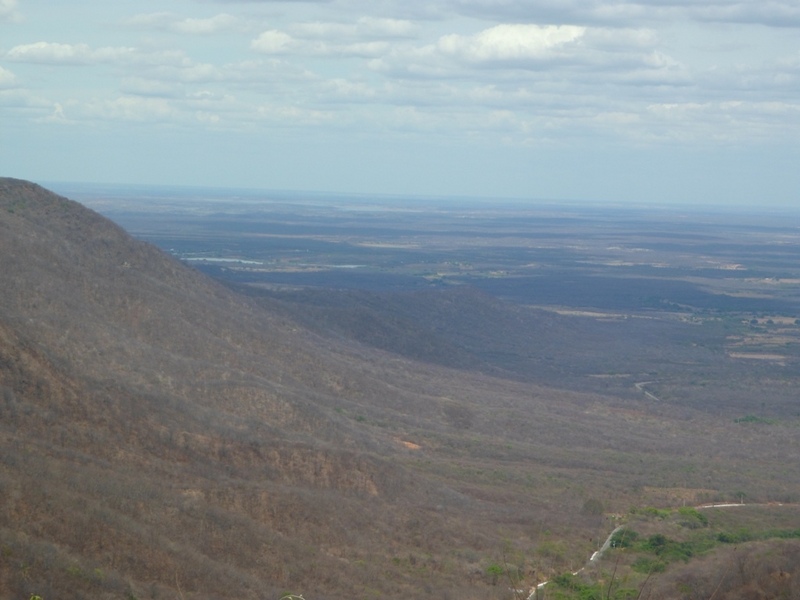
{"points": [[758, 356]]}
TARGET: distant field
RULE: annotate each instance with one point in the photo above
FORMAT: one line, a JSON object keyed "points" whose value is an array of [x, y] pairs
{"points": [[612, 258]]}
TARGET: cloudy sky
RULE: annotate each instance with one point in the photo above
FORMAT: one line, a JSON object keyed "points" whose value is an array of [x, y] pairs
{"points": [[601, 100]]}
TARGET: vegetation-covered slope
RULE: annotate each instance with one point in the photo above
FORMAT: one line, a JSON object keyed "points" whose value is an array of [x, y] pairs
{"points": [[163, 436], [159, 431]]}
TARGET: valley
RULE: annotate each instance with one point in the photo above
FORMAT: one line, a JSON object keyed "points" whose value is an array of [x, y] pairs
{"points": [[387, 398]]}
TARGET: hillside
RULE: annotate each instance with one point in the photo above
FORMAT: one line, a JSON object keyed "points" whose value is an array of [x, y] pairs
{"points": [[466, 328], [146, 410], [164, 436]]}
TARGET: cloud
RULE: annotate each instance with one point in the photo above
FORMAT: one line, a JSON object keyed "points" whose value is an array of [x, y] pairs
{"points": [[526, 71], [72, 111], [764, 12], [775, 13], [148, 86], [363, 28], [8, 10], [159, 20], [274, 42], [164, 64], [56, 116], [510, 43], [72, 54], [777, 79], [723, 121], [23, 102], [131, 108], [47, 52], [277, 42], [222, 22], [194, 26], [283, 114], [7, 78], [501, 51], [366, 37]]}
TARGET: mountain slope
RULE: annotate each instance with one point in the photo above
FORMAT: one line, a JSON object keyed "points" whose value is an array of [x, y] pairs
{"points": [[465, 328], [159, 430]]}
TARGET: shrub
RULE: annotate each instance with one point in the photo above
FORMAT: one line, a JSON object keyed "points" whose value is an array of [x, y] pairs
{"points": [[494, 572], [735, 537], [648, 565], [624, 538], [656, 513], [693, 517]]}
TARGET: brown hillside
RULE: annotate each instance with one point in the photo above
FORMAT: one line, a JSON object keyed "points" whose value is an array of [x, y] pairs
{"points": [[155, 428]]}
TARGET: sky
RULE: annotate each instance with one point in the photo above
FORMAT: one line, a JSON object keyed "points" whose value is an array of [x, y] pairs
{"points": [[664, 101]]}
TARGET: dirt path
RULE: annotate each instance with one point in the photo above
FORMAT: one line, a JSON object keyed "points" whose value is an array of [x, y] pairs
{"points": [[594, 557], [607, 544], [640, 386]]}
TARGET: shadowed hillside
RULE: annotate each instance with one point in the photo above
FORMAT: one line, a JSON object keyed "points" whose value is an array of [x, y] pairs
{"points": [[162, 436], [465, 328]]}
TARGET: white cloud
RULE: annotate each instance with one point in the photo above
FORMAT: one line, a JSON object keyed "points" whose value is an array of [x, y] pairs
{"points": [[7, 78], [215, 24], [351, 91], [358, 49], [161, 65], [501, 51], [363, 28], [8, 10], [159, 20], [47, 52], [281, 43], [366, 37], [274, 42], [148, 86], [24, 101], [201, 73], [195, 26], [510, 43], [73, 54]]}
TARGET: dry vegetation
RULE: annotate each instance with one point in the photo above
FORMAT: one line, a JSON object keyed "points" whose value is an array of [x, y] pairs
{"points": [[162, 436], [736, 552]]}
